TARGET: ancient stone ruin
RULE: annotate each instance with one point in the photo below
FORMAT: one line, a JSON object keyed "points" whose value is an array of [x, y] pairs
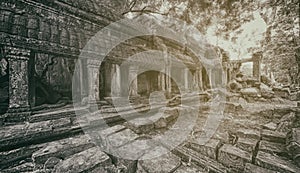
{"points": [[44, 125]]}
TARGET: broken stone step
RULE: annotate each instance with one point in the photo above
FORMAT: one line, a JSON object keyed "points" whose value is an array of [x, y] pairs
{"points": [[189, 169], [24, 167], [250, 168], [234, 157], [128, 154], [273, 162], [62, 149], [273, 136], [25, 134], [121, 138], [140, 125], [141, 146], [159, 163], [191, 156], [272, 147], [55, 114], [293, 144], [209, 149], [158, 120], [247, 144], [90, 160], [270, 126], [12, 157], [248, 133]]}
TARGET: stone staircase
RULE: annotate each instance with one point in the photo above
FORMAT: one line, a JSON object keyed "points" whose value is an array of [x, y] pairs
{"points": [[53, 141]]}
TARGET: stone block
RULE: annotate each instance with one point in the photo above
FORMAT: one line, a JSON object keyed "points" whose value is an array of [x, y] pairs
{"points": [[140, 125], [293, 144], [189, 169], [248, 133], [164, 163], [272, 147], [112, 130], [169, 110], [250, 168], [62, 148], [247, 144], [270, 126], [273, 162], [273, 136], [233, 157], [208, 149], [13, 156], [84, 161], [250, 92], [25, 167], [121, 138], [158, 120], [134, 150]]}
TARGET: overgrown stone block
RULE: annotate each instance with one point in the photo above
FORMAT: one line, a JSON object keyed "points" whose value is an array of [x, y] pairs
{"points": [[293, 144], [62, 148], [85, 161], [248, 133], [208, 149], [140, 125], [250, 168], [121, 138], [247, 144], [167, 162], [234, 157], [272, 147], [273, 136], [274, 162]]}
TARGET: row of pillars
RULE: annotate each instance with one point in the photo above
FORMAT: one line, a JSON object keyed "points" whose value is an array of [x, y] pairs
{"points": [[20, 98]]}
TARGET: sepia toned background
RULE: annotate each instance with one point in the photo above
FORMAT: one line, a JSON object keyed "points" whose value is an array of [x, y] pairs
{"points": [[232, 65]]}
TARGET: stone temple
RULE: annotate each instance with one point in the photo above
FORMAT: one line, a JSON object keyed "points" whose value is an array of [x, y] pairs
{"points": [[63, 113]]}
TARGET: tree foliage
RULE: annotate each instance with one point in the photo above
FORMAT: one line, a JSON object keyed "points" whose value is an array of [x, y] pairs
{"points": [[228, 23]]}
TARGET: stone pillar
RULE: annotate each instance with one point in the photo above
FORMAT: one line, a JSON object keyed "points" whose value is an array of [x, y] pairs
{"points": [[168, 79], [19, 91], [159, 81], [200, 82], [163, 81], [116, 83], [210, 76], [256, 65], [132, 78], [186, 78], [93, 80], [83, 79], [195, 79]]}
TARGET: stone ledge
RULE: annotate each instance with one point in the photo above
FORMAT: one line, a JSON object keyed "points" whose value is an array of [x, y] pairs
{"points": [[85, 161], [274, 162], [273, 136], [234, 157]]}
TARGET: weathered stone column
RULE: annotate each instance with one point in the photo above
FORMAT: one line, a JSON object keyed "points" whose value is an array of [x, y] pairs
{"points": [[256, 65], [83, 79], [159, 81], [168, 79], [19, 94], [195, 79], [93, 80], [186, 78], [210, 76], [132, 78], [116, 83], [200, 82], [163, 81]]}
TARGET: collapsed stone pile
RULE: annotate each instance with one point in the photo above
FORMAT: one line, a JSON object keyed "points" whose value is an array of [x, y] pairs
{"points": [[252, 90]]}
